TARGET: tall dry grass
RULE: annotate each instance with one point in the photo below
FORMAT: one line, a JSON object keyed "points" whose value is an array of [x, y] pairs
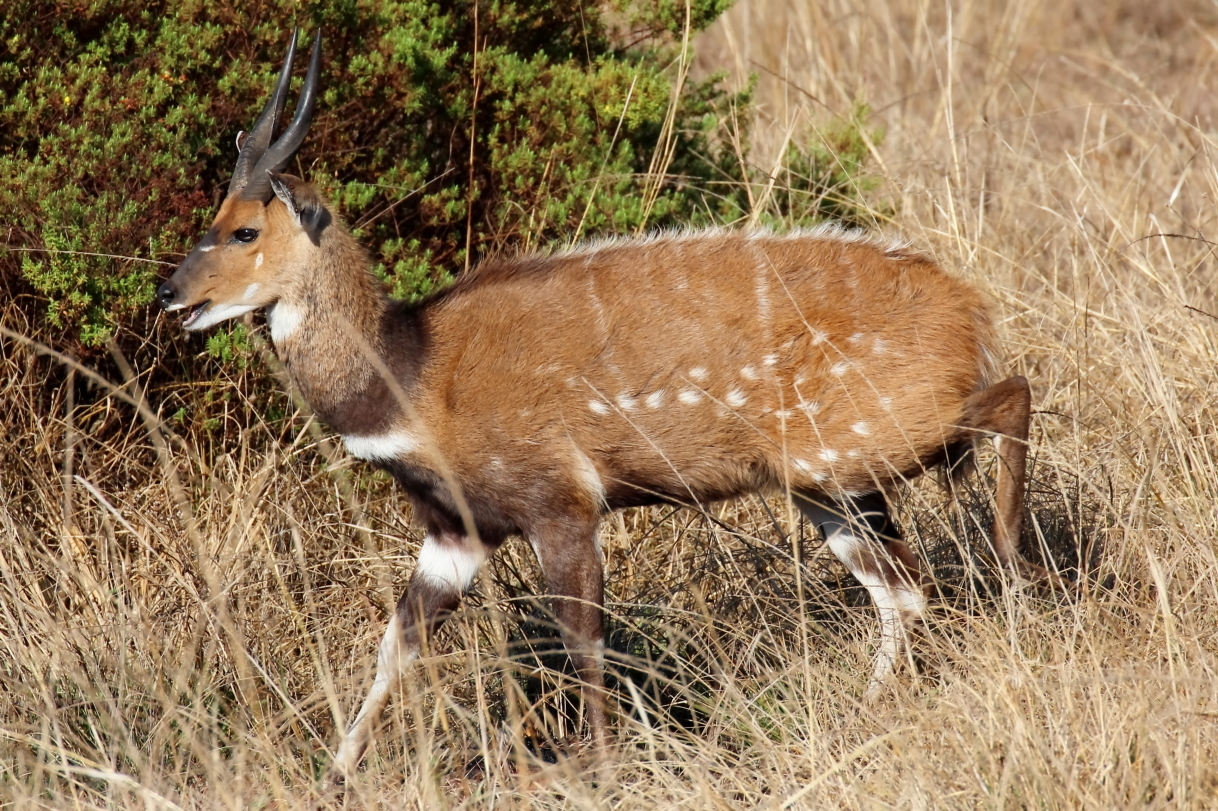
{"points": [[183, 626]]}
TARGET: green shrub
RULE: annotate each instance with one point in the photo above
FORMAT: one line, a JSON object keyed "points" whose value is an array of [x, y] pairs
{"points": [[445, 131]]}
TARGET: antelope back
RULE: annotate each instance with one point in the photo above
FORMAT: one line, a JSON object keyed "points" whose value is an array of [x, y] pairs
{"points": [[699, 366]]}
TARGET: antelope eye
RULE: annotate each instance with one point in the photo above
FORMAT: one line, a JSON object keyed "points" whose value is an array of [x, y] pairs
{"points": [[245, 234]]}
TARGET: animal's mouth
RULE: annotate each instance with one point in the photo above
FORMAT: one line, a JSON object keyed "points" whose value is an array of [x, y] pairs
{"points": [[195, 312]]}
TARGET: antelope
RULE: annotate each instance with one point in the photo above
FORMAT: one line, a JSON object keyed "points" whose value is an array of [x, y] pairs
{"points": [[536, 394]]}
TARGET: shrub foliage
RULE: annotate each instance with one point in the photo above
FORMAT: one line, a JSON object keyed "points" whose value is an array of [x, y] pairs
{"points": [[445, 131]]}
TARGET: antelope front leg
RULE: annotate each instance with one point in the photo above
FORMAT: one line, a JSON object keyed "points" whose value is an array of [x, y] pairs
{"points": [[571, 562], [447, 565]]}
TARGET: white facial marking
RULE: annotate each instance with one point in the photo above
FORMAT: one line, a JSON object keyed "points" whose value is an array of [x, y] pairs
{"points": [[625, 402], [249, 292], [748, 373], [384, 447], [215, 313], [284, 320], [206, 248], [697, 373], [258, 261], [840, 367], [655, 399], [450, 563], [861, 428], [689, 396], [735, 398], [599, 406], [173, 307], [828, 455]]}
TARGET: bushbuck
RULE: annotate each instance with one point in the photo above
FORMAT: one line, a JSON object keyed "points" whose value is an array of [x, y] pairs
{"points": [[538, 393]]}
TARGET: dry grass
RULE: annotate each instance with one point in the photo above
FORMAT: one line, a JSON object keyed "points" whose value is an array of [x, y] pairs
{"points": [[151, 659]]}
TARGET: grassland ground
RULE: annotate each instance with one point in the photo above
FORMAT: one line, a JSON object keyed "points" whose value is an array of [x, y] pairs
{"points": [[185, 617]]}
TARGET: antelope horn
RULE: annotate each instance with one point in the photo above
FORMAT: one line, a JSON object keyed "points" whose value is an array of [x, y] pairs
{"points": [[259, 138], [276, 156]]}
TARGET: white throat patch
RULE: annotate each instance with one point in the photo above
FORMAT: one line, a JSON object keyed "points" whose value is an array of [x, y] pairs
{"points": [[284, 320]]}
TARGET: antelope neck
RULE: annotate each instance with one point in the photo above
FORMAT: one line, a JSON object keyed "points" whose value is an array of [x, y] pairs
{"points": [[330, 332]]}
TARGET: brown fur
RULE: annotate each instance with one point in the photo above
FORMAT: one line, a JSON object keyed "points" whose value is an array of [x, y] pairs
{"points": [[538, 393]]}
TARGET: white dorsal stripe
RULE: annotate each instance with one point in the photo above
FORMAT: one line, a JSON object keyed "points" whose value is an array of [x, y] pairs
{"points": [[383, 447], [284, 320]]}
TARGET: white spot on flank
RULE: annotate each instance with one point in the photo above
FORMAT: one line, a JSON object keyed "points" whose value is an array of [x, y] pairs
{"points": [[861, 428], [599, 406], [748, 373], [853, 454], [450, 563], [385, 447], [880, 346], [818, 337], [784, 414], [886, 402], [820, 476], [258, 261], [689, 396], [809, 408], [249, 292], [770, 360], [735, 398], [802, 465], [840, 367], [655, 399], [625, 402], [697, 373], [829, 455], [855, 338], [284, 320]]}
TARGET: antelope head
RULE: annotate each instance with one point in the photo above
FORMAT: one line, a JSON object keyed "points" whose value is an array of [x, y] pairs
{"points": [[267, 220]]}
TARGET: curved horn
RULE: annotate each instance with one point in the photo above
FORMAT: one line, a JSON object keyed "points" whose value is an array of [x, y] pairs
{"points": [[280, 152], [259, 138]]}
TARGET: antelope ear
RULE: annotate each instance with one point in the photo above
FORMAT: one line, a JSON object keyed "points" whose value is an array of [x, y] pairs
{"points": [[302, 203]]}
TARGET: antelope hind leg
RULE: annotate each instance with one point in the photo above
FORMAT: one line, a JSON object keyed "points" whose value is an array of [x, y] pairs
{"points": [[862, 536], [1004, 411]]}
